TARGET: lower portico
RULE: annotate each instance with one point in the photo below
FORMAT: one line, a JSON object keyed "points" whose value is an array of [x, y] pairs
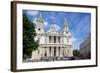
{"points": [[54, 51]]}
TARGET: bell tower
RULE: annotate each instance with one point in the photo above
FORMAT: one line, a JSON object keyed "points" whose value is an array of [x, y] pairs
{"points": [[40, 25], [65, 28]]}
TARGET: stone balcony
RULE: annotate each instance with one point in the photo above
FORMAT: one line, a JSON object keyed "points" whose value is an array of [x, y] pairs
{"points": [[55, 45]]}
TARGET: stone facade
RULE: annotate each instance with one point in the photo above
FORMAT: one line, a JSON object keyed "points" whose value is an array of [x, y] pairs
{"points": [[85, 48], [52, 43]]}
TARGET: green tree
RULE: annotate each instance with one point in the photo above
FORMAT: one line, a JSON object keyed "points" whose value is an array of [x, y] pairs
{"points": [[29, 44], [76, 52]]}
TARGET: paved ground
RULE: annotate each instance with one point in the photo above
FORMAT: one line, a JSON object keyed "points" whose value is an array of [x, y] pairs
{"points": [[53, 59]]}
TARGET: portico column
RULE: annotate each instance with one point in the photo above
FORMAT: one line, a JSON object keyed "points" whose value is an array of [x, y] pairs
{"points": [[52, 39], [61, 52], [47, 39], [56, 39], [48, 52], [66, 53], [64, 50], [42, 52], [61, 40], [52, 51], [57, 51]]}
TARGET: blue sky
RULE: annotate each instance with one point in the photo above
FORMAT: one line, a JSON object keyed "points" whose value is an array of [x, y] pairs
{"points": [[79, 23]]}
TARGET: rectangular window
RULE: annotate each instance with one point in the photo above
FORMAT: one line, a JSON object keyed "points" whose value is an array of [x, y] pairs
{"points": [[54, 51], [50, 50], [54, 39], [49, 39]]}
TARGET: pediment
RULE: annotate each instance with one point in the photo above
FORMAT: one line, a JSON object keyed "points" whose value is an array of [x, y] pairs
{"points": [[53, 33]]}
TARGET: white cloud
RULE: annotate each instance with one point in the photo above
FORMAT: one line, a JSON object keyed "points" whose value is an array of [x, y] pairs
{"points": [[46, 23], [56, 26], [34, 21], [76, 42], [32, 13], [74, 39], [52, 17]]}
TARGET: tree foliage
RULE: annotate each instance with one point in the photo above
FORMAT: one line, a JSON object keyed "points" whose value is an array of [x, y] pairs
{"points": [[29, 44], [76, 52]]}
